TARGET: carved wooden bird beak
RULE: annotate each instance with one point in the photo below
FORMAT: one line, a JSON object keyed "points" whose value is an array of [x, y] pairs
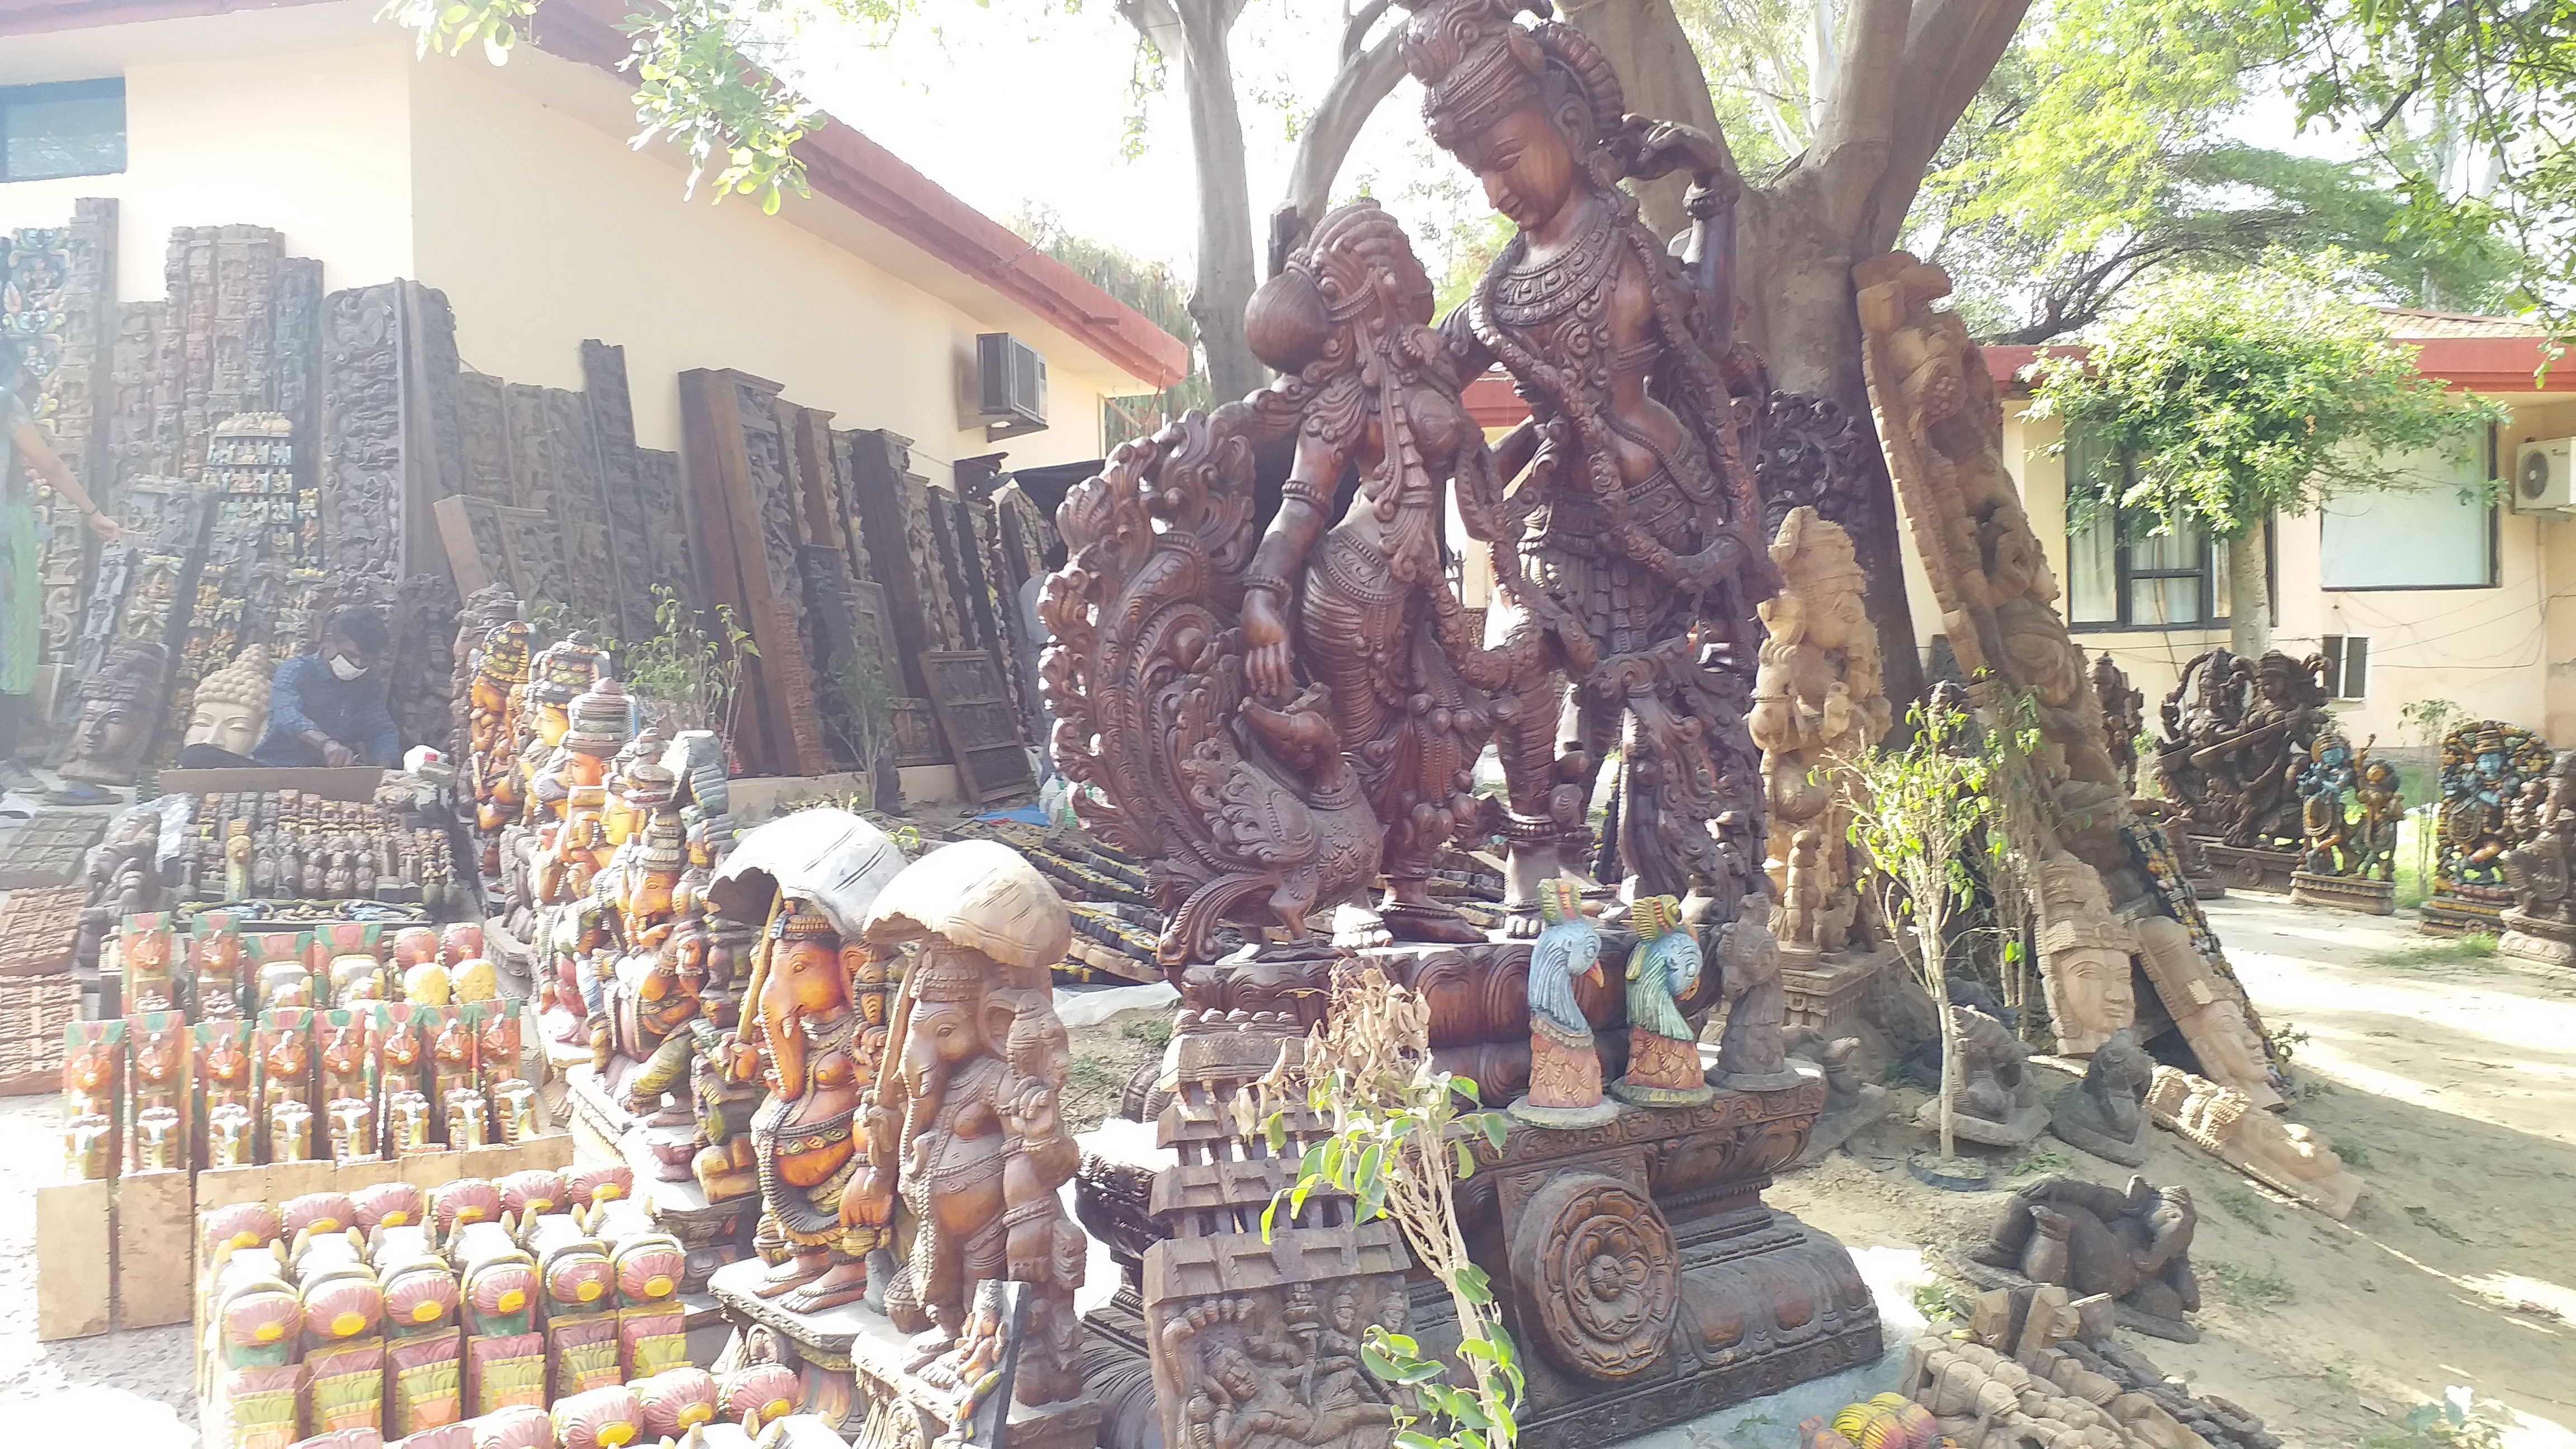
{"points": [[1594, 975]]}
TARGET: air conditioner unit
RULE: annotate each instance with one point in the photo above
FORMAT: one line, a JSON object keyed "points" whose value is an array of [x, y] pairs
{"points": [[1011, 385], [2542, 481]]}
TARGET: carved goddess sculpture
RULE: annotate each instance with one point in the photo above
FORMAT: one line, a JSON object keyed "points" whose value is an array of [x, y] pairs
{"points": [[1629, 549], [1375, 621]]}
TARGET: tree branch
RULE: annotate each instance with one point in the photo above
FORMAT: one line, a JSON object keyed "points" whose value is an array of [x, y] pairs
{"points": [[1853, 132], [1954, 47], [1365, 79]]}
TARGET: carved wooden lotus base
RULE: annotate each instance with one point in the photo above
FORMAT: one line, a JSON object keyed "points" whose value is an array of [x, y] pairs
{"points": [[853, 1372], [2344, 893], [2533, 938], [2466, 911], [1825, 991], [712, 1233], [2248, 869]]}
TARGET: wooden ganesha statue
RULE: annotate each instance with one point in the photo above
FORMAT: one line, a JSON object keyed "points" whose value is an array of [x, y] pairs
{"points": [[801, 1028], [967, 1122]]}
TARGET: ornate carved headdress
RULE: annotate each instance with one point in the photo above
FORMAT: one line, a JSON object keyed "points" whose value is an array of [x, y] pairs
{"points": [[803, 920], [1478, 65]]}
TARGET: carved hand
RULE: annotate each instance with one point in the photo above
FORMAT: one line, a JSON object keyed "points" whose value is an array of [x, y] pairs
{"points": [[1267, 637]]}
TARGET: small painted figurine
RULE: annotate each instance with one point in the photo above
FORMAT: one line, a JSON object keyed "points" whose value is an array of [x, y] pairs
{"points": [[1663, 1051], [1565, 1066]]}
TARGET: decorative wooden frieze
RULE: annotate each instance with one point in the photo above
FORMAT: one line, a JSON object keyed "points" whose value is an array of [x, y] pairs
{"points": [[883, 486], [483, 433], [632, 520], [362, 472]]}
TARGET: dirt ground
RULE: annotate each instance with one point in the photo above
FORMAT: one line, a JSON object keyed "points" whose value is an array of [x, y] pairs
{"points": [[2451, 1083]]}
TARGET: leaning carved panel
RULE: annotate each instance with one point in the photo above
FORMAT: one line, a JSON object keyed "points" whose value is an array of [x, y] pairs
{"points": [[362, 476]]}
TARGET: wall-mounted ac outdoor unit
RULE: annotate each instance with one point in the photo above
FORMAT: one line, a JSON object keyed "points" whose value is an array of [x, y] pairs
{"points": [[2544, 477], [1011, 386]]}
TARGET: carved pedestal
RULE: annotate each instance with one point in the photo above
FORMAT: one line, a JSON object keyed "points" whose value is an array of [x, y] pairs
{"points": [[2532, 938], [2344, 893], [1642, 1276], [1825, 991], [713, 1234], [2464, 910], [853, 1371], [2247, 869]]}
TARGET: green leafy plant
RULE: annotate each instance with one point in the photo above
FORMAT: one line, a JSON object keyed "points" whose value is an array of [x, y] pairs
{"points": [[2353, 1152], [689, 673], [1153, 1031], [2228, 399], [1915, 810], [1402, 1133], [2045, 1160]]}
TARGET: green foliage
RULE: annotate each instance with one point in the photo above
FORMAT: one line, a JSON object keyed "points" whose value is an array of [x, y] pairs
{"points": [[2423, 1217], [1159, 294], [2238, 396], [2458, 950], [703, 70], [689, 672], [2354, 1152], [1153, 1031], [1915, 811], [1401, 1133], [2044, 1160], [2466, 101], [2250, 1287], [2246, 1208]]}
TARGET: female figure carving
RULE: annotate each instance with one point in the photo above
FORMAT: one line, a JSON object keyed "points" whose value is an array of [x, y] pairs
{"points": [[1629, 550], [1375, 620]]}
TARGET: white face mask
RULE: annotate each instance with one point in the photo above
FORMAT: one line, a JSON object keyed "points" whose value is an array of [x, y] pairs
{"points": [[343, 670]]}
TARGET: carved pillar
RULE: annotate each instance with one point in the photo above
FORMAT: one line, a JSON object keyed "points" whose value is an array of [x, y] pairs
{"points": [[884, 487], [633, 516]]}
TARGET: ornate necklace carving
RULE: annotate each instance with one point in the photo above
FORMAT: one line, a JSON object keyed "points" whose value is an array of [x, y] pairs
{"points": [[1533, 294]]}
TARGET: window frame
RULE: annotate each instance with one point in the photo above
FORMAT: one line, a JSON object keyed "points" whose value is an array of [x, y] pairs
{"points": [[2123, 570], [96, 88], [2491, 445]]}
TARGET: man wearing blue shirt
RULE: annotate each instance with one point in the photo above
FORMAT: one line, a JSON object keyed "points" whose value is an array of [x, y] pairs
{"points": [[328, 707]]}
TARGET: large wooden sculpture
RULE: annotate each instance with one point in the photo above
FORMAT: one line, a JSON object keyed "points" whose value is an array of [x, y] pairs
{"points": [[1817, 703], [2241, 735], [2092, 860], [2541, 923], [1202, 677], [2342, 862]]}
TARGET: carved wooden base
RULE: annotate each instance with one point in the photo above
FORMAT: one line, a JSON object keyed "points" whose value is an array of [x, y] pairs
{"points": [[852, 1367], [2344, 893], [1825, 991], [713, 1234], [1564, 1118], [2468, 911], [2248, 869], [2531, 938]]}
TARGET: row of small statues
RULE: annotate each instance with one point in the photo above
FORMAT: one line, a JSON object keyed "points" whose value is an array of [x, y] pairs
{"points": [[263, 844], [154, 1093], [214, 971]]}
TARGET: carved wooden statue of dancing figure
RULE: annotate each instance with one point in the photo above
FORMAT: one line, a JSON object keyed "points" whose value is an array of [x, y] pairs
{"points": [[1630, 552], [1375, 620]]}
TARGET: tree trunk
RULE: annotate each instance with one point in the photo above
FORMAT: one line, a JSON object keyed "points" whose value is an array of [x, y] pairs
{"points": [[1225, 273], [1368, 75], [2249, 595]]}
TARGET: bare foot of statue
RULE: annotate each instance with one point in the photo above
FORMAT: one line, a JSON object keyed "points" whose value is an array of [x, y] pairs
{"points": [[846, 1282], [1523, 869], [799, 1268]]}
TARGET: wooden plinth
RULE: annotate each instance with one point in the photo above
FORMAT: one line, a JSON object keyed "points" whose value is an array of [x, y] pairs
{"points": [[2344, 893], [2241, 868], [2464, 915]]}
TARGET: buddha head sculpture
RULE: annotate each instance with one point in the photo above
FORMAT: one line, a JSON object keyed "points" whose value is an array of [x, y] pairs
{"points": [[117, 707], [231, 705]]}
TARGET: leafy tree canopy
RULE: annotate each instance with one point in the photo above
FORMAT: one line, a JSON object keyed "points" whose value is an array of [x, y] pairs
{"points": [[2467, 102], [2237, 395], [1156, 292]]}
